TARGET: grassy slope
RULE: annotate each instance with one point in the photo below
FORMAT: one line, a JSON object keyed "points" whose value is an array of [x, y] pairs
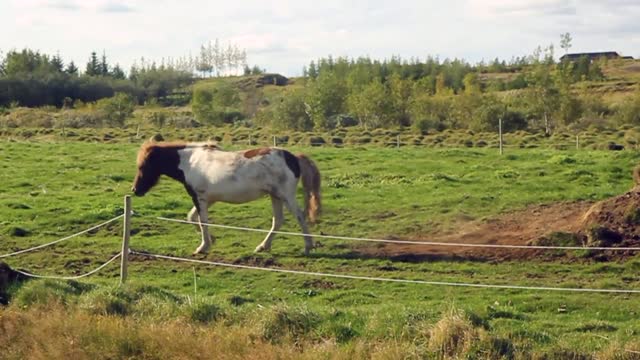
{"points": [[53, 190]]}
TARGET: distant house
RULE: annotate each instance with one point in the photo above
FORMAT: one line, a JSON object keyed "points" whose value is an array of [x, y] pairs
{"points": [[594, 56]]}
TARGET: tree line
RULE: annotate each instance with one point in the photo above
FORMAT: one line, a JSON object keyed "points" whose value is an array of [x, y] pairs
{"points": [[436, 95], [31, 78]]}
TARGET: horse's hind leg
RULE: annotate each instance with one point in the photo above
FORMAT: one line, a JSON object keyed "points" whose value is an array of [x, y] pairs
{"points": [[278, 219], [193, 217], [292, 205]]}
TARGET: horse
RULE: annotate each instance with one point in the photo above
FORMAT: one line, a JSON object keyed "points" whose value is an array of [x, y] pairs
{"points": [[210, 174]]}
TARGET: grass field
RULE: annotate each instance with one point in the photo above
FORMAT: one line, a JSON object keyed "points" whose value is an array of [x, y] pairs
{"points": [[50, 190]]}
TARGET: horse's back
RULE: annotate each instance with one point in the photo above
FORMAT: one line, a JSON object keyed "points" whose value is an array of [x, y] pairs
{"points": [[232, 176]]}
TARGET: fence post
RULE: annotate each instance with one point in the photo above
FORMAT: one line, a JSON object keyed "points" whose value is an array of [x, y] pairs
{"points": [[275, 142], [398, 141], [500, 134], [126, 234], [577, 142]]}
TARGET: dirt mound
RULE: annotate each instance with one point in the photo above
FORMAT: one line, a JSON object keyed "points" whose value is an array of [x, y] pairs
{"points": [[614, 222]]}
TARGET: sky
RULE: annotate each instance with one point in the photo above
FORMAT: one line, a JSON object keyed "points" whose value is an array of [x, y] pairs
{"points": [[284, 35]]}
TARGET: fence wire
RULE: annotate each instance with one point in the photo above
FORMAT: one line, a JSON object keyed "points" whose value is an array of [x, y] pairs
{"points": [[410, 242], [74, 277], [406, 281], [60, 240]]}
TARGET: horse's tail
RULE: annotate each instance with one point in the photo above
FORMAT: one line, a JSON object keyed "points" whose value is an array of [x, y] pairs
{"points": [[311, 184]]}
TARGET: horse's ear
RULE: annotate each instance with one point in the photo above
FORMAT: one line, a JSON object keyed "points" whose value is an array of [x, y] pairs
{"points": [[156, 138]]}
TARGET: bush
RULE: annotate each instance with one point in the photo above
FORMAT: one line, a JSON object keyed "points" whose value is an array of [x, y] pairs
{"points": [[284, 321], [26, 117], [453, 335], [116, 109]]}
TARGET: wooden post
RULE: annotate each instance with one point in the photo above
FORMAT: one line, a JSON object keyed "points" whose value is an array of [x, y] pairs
{"points": [[500, 134], [126, 234], [275, 141], [577, 142]]}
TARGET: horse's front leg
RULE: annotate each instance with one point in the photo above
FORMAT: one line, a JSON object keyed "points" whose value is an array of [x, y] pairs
{"points": [[194, 217], [203, 210], [278, 219]]}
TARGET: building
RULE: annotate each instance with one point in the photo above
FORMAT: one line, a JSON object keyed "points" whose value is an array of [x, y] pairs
{"points": [[594, 56]]}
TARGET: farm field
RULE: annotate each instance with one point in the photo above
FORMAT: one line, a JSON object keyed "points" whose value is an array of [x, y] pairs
{"points": [[51, 189]]}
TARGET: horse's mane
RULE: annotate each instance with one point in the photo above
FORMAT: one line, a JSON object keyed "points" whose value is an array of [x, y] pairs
{"points": [[148, 146]]}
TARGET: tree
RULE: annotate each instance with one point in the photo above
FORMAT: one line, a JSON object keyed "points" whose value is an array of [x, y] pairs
{"points": [[57, 64], [204, 64], [471, 84], [542, 90], [104, 66], [313, 72], [219, 59], [565, 42], [371, 106], [326, 97], [290, 113], [400, 91], [71, 69], [217, 104], [93, 66], [430, 111], [117, 73]]}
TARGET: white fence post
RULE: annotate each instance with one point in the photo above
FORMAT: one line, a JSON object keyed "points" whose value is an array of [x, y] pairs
{"points": [[500, 134], [126, 234]]}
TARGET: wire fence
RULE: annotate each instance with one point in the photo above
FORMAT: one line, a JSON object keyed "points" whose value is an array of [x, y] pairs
{"points": [[123, 255], [371, 278], [61, 240], [493, 141], [408, 242], [73, 277]]}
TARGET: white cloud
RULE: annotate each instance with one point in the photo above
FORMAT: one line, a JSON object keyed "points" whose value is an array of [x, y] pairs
{"points": [[284, 35]]}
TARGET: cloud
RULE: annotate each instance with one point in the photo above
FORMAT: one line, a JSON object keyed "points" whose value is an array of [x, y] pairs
{"points": [[66, 5], [116, 7], [502, 8]]}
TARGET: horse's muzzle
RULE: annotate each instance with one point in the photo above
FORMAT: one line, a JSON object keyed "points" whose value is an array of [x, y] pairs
{"points": [[136, 192]]}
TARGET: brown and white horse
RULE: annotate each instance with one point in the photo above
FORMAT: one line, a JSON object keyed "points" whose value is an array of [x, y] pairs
{"points": [[211, 175]]}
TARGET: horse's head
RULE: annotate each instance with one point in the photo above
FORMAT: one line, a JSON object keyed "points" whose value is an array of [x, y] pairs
{"points": [[149, 169]]}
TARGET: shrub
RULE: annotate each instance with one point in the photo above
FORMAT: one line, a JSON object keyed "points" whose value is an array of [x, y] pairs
{"points": [[453, 335], [116, 109], [204, 312], [282, 321]]}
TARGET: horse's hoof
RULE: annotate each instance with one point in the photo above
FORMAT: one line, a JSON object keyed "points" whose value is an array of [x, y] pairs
{"points": [[202, 251], [262, 248]]}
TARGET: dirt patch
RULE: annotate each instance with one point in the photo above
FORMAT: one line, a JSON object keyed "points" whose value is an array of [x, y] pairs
{"points": [[524, 227], [613, 222]]}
